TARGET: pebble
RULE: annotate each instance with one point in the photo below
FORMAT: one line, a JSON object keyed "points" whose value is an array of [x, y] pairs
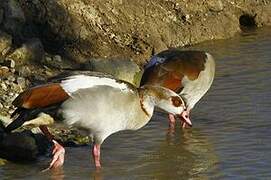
{"points": [[3, 162], [10, 111], [215, 5], [48, 59], [12, 70], [48, 73], [1, 105], [12, 96], [57, 58], [5, 98], [24, 71], [7, 82], [5, 43], [9, 63], [11, 78], [4, 86], [4, 70], [21, 82]]}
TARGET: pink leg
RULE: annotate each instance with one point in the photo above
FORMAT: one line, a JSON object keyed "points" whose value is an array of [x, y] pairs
{"points": [[96, 155], [171, 120], [58, 150]]}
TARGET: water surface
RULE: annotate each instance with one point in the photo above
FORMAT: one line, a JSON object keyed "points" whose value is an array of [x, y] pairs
{"points": [[229, 139]]}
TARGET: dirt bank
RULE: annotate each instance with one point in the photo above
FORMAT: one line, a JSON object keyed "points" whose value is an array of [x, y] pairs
{"points": [[79, 29]]}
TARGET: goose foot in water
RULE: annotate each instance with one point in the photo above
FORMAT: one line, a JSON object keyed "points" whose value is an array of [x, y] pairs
{"points": [[58, 156]]}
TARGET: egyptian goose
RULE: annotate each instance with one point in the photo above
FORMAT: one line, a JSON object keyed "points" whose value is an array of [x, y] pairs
{"points": [[96, 104], [188, 73]]}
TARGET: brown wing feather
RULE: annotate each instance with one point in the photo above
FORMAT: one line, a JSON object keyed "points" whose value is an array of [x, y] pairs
{"points": [[41, 96], [173, 82], [184, 67], [165, 77], [176, 65]]}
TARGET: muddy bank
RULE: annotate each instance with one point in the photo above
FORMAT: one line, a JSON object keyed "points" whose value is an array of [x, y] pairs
{"points": [[80, 29]]}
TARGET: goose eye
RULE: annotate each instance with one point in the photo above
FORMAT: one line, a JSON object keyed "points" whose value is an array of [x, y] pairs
{"points": [[176, 101]]}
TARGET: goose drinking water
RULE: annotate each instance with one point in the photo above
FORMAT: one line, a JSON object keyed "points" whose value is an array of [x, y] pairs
{"points": [[95, 103]]}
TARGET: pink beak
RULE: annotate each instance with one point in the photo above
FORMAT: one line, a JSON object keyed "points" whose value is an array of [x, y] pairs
{"points": [[186, 118]]}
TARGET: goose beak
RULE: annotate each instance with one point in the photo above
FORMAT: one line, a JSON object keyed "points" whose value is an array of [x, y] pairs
{"points": [[186, 118]]}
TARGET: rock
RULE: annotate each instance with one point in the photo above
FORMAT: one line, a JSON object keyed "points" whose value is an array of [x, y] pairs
{"points": [[47, 59], [57, 58], [4, 86], [4, 119], [9, 63], [7, 100], [70, 137], [14, 17], [12, 64], [12, 70], [1, 105], [48, 72], [24, 71], [123, 69], [21, 82], [54, 62], [17, 89], [11, 79], [23, 146], [215, 5], [4, 70], [32, 50], [5, 44]]}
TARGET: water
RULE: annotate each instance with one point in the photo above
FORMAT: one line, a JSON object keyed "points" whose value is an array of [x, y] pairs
{"points": [[229, 139]]}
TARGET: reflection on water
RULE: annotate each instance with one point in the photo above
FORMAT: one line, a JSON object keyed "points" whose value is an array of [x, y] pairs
{"points": [[230, 137], [150, 153], [239, 125]]}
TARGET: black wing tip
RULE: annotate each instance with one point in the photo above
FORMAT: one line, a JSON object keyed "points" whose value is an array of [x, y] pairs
{"points": [[17, 111], [21, 114]]}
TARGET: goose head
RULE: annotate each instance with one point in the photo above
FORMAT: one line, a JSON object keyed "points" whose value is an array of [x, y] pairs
{"points": [[166, 100]]}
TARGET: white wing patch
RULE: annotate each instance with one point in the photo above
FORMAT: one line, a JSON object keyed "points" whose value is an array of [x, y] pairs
{"points": [[77, 82]]}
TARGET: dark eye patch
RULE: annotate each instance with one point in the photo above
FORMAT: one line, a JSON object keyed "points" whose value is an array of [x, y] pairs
{"points": [[176, 101]]}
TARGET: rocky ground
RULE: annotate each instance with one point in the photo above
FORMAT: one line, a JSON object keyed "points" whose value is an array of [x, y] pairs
{"points": [[40, 38]]}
